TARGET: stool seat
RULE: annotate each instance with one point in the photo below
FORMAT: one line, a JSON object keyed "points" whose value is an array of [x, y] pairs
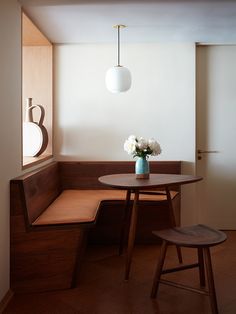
{"points": [[192, 236]]}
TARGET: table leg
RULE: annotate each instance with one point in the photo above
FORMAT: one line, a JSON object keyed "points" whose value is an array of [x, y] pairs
{"points": [[132, 233], [173, 222], [124, 222]]}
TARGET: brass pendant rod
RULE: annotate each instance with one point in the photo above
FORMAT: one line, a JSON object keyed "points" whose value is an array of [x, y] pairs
{"points": [[118, 61], [118, 26]]}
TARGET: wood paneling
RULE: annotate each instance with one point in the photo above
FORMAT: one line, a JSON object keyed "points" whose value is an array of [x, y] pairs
{"points": [[84, 175], [41, 190], [31, 35], [32, 193], [7, 298], [37, 84], [42, 261]]}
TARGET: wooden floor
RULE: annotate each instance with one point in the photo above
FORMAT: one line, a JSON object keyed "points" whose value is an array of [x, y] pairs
{"points": [[102, 289]]}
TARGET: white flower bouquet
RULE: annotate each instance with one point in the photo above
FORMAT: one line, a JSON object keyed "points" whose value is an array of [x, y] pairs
{"points": [[140, 147]]}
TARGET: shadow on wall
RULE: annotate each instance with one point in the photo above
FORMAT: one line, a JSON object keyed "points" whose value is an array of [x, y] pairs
{"points": [[74, 143]]}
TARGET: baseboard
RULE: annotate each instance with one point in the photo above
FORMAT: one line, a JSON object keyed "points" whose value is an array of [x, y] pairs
{"points": [[6, 299]]}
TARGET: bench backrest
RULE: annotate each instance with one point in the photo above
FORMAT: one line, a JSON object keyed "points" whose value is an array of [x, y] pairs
{"points": [[36, 190], [85, 174]]}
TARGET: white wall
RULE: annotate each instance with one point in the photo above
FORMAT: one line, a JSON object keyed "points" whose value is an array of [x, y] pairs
{"points": [[10, 122], [91, 123]]}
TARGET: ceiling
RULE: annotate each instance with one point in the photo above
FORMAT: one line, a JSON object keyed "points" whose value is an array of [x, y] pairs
{"points": [[81, 21]]}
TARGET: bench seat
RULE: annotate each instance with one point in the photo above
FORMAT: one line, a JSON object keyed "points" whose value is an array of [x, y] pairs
{"points": [[82, 206]]}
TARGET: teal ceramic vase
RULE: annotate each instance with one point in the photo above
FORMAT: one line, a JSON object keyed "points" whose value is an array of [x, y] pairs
{"points": [[142, 168]]}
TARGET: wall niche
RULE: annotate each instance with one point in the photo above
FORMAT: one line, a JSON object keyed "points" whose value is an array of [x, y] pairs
{"points": [[37, 90]]}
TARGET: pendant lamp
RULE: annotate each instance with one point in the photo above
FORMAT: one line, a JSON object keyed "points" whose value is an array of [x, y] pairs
{"points": [[118, 78]]}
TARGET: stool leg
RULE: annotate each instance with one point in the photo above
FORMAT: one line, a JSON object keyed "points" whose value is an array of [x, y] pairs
{"points": [[210, 278], [157, 275], [173, 222], [179, 254], [201, 267]]}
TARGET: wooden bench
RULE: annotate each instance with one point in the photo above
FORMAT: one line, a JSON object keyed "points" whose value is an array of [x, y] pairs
{"points": [[52, 209]]}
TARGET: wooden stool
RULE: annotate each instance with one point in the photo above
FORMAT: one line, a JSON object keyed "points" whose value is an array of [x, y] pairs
{"points": [[200, 237]]}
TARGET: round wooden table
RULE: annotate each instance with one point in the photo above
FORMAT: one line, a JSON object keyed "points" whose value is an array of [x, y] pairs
{"points": [[130, 183]]}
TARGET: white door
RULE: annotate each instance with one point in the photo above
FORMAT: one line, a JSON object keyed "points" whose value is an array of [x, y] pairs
{"points": [[216, 135]]}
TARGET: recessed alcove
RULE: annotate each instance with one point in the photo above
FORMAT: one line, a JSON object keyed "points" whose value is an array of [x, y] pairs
{"points": [[37, 82]]}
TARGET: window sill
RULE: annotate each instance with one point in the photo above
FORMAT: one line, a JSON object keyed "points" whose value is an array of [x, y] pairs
{"points": [[32, 161]]}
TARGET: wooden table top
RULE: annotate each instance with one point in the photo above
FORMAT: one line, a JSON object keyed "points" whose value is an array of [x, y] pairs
{"points": [[129, 180]]}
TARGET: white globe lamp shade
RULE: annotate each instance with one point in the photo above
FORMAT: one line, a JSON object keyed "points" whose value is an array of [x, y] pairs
{"points": [[118, 79]]}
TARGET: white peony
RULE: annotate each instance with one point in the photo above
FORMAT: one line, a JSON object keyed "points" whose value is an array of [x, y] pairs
{"points": [[142, 143], [130, 145], [132, 138], [141, 147], [154, 146]]}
